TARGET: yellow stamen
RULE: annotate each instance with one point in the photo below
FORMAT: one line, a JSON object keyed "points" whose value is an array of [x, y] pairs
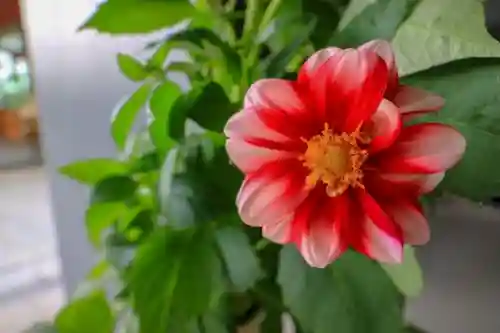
{"points": [[335, 160]]}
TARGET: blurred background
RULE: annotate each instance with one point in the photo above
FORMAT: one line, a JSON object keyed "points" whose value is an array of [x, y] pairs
{"points": [[30, 282], [58, 87]]}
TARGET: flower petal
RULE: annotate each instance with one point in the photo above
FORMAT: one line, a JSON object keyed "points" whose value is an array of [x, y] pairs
{"points": [[271, 193], [316, 229], [382, 247], [279, 231], [414, 101], [420, 183], [249, 157], [384, 50], [409, 216], [393, 185], [314, 62], [386, 124], [246, 124], [423, 148], [273, 94], [346, 89], [251, 143], [382, 239], [273, 110], [312, 82]]}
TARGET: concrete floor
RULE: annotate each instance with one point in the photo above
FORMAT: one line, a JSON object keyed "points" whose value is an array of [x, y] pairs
{"points": [[461, 263], [22, 312], [30, 289]]}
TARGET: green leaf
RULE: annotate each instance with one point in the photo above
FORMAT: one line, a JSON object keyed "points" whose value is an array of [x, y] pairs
{"points": [[139, 226], [277, 64], [93, 170], [442, 31], [161, 105], [218, 318], [190, 176], [138, 16], [88, 314], [328, 15], [171, 278], [114, 189], [158, 58], [289, 21], [178, 115], [189, 68], [268, 291], [379, 20], [354, 8], [407, 276], [194, 105], [131, 67], [163, 99], [100, 217], [214, 117], [239, 256], [178, 199], [119, 251], [145, 163], [98, 271], [214, 323], [470, 88], [123, 118], [201, 36], [167, 173], [138, 143], [272, 322], [351, 295]]}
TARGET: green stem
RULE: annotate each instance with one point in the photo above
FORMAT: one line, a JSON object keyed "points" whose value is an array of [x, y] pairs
{"points": [[261, 244], [269, 300], [244, 78], [268, 16], [250, 19], [229, 6], [201, 325]]}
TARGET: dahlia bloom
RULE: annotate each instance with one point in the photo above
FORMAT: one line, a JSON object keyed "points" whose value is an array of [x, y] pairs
{"points": [[329, 163]]}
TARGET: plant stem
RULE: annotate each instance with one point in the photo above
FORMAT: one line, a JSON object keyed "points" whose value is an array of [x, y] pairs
{"points": [[261, 244], [268, 16], [229, 6], [201, 326], [269, 300], [244, 78], [250, 19]]}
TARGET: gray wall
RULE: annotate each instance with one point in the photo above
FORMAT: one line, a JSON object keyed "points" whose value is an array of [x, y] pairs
{"points": [[77, 85], [461, 267]]}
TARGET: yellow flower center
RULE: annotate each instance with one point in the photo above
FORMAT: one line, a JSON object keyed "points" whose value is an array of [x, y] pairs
{"points": [[335, 160]]}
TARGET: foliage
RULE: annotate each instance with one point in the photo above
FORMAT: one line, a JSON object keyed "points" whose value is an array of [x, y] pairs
{"points": [[470, 87], [163, 213], [342, 297], [436, 34]]}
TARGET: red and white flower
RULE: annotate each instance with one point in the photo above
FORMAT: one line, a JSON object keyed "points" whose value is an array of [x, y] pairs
{"points": [[329, 163]]}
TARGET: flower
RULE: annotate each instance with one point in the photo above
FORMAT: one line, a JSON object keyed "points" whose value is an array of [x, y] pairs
{"points": [[411, 101], [329, 163]]}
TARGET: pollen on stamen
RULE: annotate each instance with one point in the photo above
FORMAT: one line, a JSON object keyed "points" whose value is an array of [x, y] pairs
{"points": [[334, 160]]}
